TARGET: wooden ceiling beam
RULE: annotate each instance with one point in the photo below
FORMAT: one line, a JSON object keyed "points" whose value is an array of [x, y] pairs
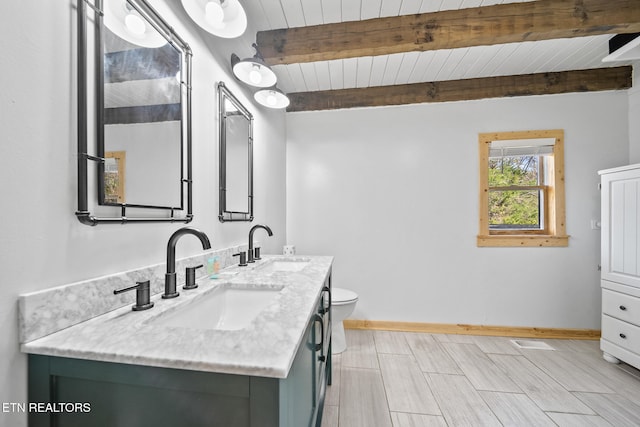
{"points": [[478, 26], [463, 90]]}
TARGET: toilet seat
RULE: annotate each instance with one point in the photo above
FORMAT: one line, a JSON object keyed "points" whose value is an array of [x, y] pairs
{"points": [[341, 296]]}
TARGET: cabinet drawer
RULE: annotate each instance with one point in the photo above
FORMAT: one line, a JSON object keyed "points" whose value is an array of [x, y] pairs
{"points": [[621, 333], [621, 306]]}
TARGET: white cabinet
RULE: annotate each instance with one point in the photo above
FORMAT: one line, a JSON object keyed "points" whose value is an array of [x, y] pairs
{"points": [[620, 252]]}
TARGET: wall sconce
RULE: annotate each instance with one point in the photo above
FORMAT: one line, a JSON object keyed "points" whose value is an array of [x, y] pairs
{"points": [[125, 21], [253, 71], [272, 98], [222, 18]]}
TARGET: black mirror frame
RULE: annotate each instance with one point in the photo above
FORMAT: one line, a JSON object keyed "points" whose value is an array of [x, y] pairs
{"points": [[83, 214], [224, 215]]}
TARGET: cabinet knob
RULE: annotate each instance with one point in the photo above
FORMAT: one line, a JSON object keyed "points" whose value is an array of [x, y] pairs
{"points": [[623, 336], [623, 308]]}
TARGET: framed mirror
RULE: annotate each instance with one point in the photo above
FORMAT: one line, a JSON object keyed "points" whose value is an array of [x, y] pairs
{"points": [[236, 158], [134, 115]]}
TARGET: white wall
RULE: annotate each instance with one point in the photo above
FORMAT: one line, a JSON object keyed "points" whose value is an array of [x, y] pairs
{"points": [[392, 193], [42, 244], [634, 116]]}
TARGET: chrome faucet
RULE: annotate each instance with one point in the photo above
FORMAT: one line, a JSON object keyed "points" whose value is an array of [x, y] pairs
{"points": [[250, 253], [170, 277]]}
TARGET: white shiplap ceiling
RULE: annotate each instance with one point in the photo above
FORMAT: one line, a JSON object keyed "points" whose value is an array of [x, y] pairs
{"points": [[414, 67]]}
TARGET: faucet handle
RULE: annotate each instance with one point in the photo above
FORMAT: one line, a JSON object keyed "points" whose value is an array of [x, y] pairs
{"points": [[256, 252], [243, 258], [143, 295], [191, 277]]}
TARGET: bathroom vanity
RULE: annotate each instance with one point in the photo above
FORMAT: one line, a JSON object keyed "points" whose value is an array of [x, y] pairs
{"points": [[171, 366]]}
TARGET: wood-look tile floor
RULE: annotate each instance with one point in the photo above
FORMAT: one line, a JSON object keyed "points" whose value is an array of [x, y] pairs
{"points": [[404, 379]]}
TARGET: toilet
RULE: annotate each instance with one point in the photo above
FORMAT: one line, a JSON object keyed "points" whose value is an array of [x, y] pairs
{"points": [[343, 302]]}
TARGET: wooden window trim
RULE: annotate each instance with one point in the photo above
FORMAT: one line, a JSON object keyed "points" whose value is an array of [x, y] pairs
{"points": [[554, 234]]}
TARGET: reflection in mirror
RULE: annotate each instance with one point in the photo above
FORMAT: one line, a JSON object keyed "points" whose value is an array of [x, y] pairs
{"points": [[142, 118], [114, 176], [236, 158], [237, 149], [142, 143]]}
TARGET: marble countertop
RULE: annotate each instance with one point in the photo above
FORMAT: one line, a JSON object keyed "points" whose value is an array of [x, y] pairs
{"points": [[266, 347]]}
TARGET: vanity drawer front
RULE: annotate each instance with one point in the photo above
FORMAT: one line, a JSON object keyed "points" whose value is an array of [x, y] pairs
{"points": [[621, 306], [621, 333]]}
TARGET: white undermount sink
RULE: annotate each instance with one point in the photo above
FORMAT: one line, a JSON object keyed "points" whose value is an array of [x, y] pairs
{"points": [[284, 264], [225, 308]]}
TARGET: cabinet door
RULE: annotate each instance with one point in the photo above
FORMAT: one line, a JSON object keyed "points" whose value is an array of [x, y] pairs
{"points": [[297, 400], [125, 395], [620, 227]]}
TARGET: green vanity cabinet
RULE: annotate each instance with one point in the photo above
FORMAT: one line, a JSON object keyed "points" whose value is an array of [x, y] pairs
{"points": [[302, 398], [125, 395]]}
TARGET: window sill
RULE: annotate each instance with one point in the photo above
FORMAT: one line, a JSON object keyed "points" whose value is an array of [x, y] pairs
{"points": [[523, 241]]}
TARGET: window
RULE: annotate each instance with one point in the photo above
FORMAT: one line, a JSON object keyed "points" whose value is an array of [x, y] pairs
{"points": [[522, 189]]}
